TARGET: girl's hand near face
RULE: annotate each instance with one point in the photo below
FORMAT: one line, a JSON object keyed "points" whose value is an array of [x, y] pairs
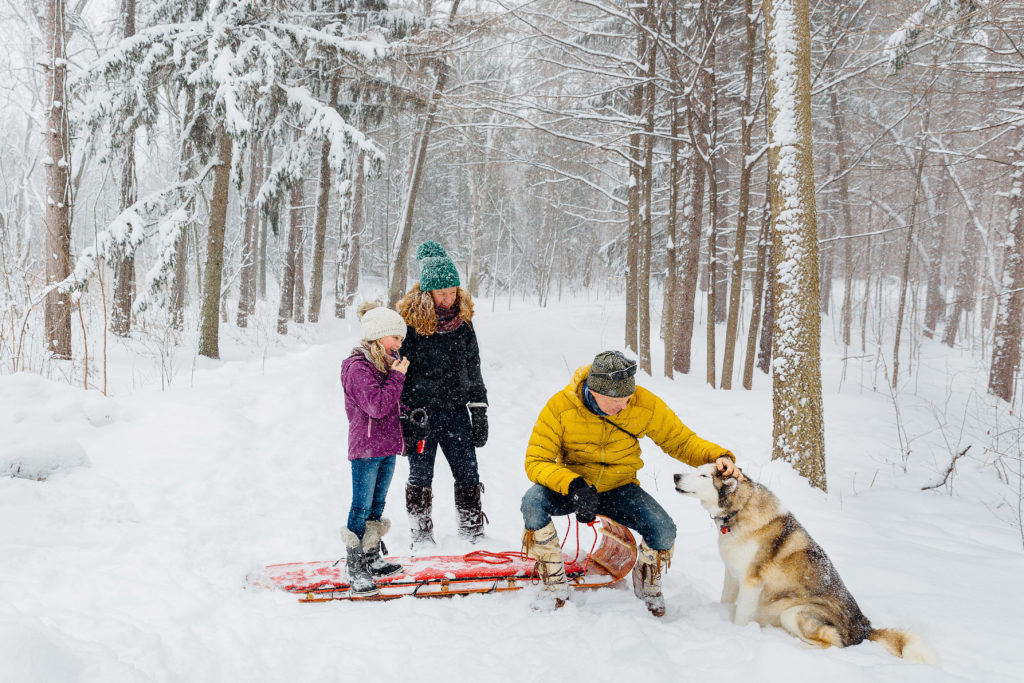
{"points": [[401, 365]]}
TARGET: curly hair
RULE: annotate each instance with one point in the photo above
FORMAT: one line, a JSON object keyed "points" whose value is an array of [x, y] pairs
{"points": [[417, 308]]}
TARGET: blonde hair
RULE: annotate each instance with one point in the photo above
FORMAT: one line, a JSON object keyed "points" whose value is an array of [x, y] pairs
{"points": [[375, 351], [417, 308]]}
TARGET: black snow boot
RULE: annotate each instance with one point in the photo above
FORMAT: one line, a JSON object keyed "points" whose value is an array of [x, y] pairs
{"points": [[471, 516], [360, 582], [374, 550], [419, 503]]}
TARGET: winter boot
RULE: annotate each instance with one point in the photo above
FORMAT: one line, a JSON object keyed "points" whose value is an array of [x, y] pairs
{"points": [[647, 576], [542, 545], [375, 550], [471, 516], [419, 504], [360, 582]]}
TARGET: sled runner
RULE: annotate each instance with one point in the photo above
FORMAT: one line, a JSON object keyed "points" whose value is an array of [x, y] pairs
{"points": [[480, 571]]}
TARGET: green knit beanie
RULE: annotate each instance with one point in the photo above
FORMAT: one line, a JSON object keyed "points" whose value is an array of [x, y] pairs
{"points": [[436, 270]]}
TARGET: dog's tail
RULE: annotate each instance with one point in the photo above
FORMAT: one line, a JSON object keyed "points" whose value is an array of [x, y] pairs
{"points": [[904, 644]]}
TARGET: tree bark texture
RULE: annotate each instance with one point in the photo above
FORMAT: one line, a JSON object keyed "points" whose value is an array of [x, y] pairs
{"points": [[57, 216], [209, 330], [796, 368]]}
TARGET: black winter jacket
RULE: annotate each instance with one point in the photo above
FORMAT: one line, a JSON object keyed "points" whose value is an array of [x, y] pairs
{"points": [[444, 369]]}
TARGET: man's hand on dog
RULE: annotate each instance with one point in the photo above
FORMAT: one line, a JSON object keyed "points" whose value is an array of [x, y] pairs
{"points": [[728, 468]]}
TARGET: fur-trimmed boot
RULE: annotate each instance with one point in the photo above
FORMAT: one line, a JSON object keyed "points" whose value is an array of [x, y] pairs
{"points": [[470, 512], [647, 571], [419, 502], [542, 545], [375, 550], [360, 582]]}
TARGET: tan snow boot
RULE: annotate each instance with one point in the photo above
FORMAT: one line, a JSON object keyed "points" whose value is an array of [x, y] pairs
{"points": [[647, 576], [542, 545]]}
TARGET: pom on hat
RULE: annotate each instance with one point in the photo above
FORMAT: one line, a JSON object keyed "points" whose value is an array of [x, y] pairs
{"points": [[436, 269]]}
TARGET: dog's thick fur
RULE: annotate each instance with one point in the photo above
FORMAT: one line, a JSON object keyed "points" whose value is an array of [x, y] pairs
{"points": [[776, 574]]}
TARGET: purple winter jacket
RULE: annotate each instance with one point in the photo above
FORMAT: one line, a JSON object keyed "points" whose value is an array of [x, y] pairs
{"points": [[372, 402]]}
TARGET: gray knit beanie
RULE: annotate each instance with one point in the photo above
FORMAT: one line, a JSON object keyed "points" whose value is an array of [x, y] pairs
{"points": [[611, 374], [382, 322]]}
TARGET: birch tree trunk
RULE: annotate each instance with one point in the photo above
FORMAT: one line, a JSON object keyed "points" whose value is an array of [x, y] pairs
{"points": [[1010, 299], [209, 330], [644, 272], [796, 368], [124, 264], [57, 217]]}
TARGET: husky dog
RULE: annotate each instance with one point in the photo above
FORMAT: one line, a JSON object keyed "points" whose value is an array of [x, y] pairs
{"points": [[777, 575]]}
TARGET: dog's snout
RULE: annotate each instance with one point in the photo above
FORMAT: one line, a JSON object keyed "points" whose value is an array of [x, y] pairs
{"points": [[677, 478]]}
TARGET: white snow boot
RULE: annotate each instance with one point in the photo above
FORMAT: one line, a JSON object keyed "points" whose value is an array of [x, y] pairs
{"points": [[542, 545], [647, 576]]}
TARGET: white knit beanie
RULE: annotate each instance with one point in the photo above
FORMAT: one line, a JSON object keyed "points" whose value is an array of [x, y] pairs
{"points": [[382, 322]]}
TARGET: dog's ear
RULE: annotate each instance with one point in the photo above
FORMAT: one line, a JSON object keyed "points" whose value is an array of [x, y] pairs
{"points": [[730, 484]]}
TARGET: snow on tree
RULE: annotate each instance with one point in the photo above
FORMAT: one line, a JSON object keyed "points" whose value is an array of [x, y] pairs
{"points": [[253, 69], [796, 366]]}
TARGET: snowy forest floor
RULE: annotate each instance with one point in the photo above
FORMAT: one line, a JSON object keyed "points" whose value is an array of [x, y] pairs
{"points": [[129, 562]]}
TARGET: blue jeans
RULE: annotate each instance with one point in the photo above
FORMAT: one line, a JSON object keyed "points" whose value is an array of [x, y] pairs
{"points": [[370, 480], [629, 505], [449, 429]]}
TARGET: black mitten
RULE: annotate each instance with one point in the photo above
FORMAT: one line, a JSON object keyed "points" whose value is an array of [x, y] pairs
{"points": [[478, 416], [584, 500], [415, 427]]}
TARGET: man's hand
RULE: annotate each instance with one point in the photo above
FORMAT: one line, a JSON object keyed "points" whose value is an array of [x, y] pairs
{"points": [[584, 500], [728, 468]]}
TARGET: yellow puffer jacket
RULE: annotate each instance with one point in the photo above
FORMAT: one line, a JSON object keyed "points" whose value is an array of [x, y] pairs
{"points": [[569, 441]]}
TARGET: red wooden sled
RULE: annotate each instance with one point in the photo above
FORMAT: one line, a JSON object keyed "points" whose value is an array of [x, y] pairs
{"points": [[480, 571]]}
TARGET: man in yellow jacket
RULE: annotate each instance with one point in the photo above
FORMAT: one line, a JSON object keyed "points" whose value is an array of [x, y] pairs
{"points": [[583, 457]]}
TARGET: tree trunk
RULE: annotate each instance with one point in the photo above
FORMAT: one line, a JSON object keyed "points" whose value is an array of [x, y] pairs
{"points": [[644, 273], [742, 203], [57, 218], [316, 284], [268, 219], [669, 311], [291, 278], [124, 263], [906, 258], [1006, 338], [799, 436], [247, 276], [419, 157], [209, 332], [763, 245]]}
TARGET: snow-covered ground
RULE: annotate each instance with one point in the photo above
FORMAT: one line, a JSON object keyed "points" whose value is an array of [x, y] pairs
{"points": [[128, 563]]}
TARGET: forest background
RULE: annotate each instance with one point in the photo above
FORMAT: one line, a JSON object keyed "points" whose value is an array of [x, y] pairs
{"points": [[172, 170]]}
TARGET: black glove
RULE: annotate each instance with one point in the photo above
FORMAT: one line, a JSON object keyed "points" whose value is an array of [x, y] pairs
{"points": [[478, 416], [584, 500], [415, 427]]}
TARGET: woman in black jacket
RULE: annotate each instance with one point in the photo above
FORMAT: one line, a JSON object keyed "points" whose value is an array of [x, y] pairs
{"points": [[444, 379]]}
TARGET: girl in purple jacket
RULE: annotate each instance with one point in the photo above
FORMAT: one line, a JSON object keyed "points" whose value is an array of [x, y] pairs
{"points": [[372, 377]]}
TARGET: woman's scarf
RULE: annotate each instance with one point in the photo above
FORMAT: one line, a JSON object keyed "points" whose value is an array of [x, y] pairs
{"points": [[448, 319]]}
